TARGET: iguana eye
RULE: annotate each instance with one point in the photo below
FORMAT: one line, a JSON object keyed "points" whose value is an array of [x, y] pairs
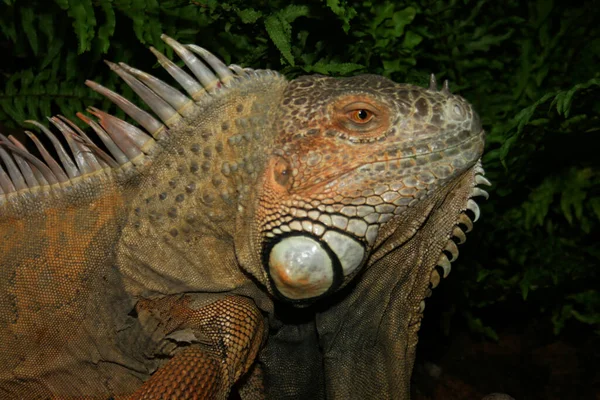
{"points": [[361, 116], [282, 172]]}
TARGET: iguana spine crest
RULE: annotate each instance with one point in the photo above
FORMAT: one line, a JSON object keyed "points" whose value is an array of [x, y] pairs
{"points": [[127, 144]]}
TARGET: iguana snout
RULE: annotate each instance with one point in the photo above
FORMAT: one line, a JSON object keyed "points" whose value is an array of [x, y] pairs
{"points": [[354, 153]]}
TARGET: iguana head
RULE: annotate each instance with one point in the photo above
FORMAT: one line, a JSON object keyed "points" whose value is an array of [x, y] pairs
{"points": [[352, 155]]}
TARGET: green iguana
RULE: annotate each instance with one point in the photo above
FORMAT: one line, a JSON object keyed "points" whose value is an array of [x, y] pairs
{"points": [[256, 237]]}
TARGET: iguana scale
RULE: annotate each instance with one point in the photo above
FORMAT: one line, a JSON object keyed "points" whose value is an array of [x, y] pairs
{"points": [[255, 235]]}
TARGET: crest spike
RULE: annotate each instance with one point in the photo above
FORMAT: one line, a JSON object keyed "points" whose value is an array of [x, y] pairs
{"points": [[204, 75], [189, 84], [146, 120], [115, 151], [50, 161], [215, 63], [165, 112], [174, 97], [446, 87], [432, 83], [67, 163]]}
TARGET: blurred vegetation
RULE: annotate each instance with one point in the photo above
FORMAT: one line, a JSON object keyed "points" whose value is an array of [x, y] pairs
{"points": [[530, 68]]}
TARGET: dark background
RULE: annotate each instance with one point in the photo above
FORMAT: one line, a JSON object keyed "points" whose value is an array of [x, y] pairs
{"points": [[520, 312]]}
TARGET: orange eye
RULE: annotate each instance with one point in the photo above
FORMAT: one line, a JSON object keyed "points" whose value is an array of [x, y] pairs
{"points": [[361, 116]]}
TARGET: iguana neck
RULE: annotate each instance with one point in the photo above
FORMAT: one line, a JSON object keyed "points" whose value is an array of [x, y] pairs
{"points": [[384, 308], [184, 205]]}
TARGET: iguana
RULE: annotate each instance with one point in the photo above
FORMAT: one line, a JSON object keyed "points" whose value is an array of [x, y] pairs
{"points": [[255, 236]]}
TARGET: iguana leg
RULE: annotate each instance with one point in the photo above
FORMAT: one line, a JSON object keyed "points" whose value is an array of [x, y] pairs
{"points": [[225, 335]]}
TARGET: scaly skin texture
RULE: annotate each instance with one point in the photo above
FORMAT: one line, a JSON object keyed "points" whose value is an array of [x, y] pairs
{"points": [[278, 239]]}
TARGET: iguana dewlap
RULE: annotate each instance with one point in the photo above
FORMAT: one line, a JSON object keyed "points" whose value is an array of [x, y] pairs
{"points": [[253, 235]]}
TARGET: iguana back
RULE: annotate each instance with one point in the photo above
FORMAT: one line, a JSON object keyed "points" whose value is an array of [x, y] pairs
{"points": [[150, 268]]}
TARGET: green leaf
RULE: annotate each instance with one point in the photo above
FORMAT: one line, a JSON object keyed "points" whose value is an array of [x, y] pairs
{"points": [[382, 12], [64, 4], [280, 33], [55, 44], [564, 99], [411, 40], [107, 29], [476, 325], [293, 12], [27, 20], [279, 28], [575, 193], [249, 15], [343, 11], [84, 22], [402, 18], [487, 41]]}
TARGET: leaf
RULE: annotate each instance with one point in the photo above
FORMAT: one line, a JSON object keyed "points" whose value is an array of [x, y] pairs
{"points": [[574, 193], [343, 11], [564, 99], [107, 29], [55, 44], [279, 28], [64, 4], [280, 33], [249, 15], [27, 20], [402, 18], [382, 13], [487, 41], [411, 40], [293, 12], [476, 325], [84, 22]]}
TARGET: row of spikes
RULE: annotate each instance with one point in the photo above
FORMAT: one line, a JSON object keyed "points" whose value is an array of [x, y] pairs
{"points": [[125, 142], [450, 252], [434, 88], [458, 234]]}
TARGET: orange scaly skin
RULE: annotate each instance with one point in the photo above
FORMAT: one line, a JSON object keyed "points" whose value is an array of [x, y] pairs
{"points": [[271, 238]]}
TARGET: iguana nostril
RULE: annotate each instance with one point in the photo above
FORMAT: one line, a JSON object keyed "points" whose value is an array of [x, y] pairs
{"points": [[459, 111]]}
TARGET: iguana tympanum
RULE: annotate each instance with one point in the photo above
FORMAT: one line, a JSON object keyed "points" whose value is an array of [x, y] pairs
{"points": [[256, 237]]}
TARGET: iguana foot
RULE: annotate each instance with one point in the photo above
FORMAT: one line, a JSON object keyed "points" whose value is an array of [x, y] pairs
{"points": [[224, 338]]}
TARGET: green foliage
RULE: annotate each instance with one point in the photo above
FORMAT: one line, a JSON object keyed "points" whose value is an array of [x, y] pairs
{"points": [[279, 28], [530, 68]]}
